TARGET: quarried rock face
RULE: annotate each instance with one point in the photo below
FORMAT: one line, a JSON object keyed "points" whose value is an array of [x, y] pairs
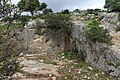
{"points": [[41, 43], [99, 55]]}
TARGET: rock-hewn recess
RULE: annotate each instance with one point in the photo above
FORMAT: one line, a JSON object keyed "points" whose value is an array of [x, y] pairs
{"points": [[100, 55], [41, 43]]}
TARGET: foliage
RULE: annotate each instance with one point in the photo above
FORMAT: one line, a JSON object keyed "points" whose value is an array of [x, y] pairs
{"points": [[4, 7], [92, 11], [38, 27], [98, 10], [10, 48], [10, 41], [74, 55], [31, 5], [23, 20], [71, 55], [66, 11], [60, 25], [97, 34], [112, 5], [8, 60], [73, 52], [47, 11], [43, 6], [77, 10], [58, 22]]}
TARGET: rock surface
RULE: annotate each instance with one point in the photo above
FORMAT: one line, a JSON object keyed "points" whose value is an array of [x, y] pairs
{"points": [[41, 43], [38, 68], [97, 54]]}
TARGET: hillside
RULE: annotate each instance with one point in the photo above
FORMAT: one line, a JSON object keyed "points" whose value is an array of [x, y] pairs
{"points": [[44, 62]]}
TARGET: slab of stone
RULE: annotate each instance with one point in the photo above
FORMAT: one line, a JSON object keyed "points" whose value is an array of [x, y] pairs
{"points": [[35, 67]]}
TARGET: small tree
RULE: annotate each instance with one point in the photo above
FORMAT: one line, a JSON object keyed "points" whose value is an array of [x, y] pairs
{"points": [[112, 5], [10, 41], [77, 10], [47, 11], [66, 11], [60, 22], [31, 5], [43, 6]]}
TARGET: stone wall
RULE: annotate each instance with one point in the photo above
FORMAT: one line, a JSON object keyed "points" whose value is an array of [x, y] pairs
{"points": [[100, 55]]}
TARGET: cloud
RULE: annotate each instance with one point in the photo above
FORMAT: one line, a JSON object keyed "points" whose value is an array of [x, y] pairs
{"points": [[58, 5]]}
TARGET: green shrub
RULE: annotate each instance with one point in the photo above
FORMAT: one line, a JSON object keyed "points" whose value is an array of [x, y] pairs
{"points": [[71, 55], [58, 21], [24, 20], [74, 55], [10, 42], [112, 5], [55, 24], [95, 33], [9, 53]]}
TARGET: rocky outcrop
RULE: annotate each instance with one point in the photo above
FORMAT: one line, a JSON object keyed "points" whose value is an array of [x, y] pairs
{"points": [[110, 21], [100, 55], [41, 43]]}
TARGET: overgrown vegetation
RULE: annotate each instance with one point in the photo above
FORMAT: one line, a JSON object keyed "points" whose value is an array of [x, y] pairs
{"points": [[95, 33], [58, 21], [79, 70], [38, 27], [31, 5], [70, 55], [10, 41], [73, 54], [93, 11], [112, 5]]}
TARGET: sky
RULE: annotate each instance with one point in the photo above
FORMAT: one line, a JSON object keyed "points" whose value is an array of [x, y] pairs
{"points": [[58, 5]]}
